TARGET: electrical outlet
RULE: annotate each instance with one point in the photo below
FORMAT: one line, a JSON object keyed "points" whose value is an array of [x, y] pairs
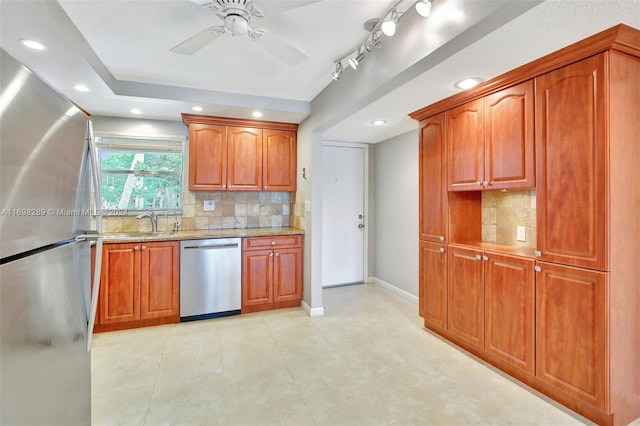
{"points": [[209, 205], [521, 233], [307, 206]]}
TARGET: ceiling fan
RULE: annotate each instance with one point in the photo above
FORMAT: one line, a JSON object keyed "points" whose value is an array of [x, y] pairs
{"points": [[238, 17]]}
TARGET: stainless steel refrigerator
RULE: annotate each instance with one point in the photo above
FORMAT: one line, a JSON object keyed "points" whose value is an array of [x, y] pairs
{"points": [[47, 168]]}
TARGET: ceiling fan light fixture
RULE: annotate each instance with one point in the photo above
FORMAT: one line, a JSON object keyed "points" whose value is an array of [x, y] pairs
{"points": [[197, 108], [256, 114], [236, 25], [423, 8]]}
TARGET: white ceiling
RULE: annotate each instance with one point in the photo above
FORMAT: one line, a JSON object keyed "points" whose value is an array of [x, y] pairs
{"points": [[120, 49]]}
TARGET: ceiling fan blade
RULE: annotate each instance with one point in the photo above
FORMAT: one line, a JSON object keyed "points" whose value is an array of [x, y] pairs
{"points": [[198, 41], [273, 7], [281, 49]]}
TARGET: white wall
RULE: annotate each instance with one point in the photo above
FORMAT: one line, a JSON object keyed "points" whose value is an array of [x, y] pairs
{"points": [[396, 213]]}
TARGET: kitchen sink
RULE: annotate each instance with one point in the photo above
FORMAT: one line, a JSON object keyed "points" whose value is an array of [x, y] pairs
{"points": [[140, 235]]}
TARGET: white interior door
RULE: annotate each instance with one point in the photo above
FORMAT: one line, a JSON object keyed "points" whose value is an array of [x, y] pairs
{"points": [[343, 200]]}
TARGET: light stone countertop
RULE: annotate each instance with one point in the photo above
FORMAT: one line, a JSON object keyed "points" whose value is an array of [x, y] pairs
{"points": [[126, 237]]}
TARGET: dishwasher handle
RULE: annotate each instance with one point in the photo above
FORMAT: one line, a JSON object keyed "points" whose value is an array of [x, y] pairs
{"points": [[212, 247]]}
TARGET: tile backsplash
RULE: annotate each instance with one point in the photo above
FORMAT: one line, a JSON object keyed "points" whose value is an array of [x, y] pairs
{"points": [[502, 212], [232, 210]]}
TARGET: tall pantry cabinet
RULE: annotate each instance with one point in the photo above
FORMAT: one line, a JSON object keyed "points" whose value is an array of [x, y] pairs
{"points": [[573, 325]]}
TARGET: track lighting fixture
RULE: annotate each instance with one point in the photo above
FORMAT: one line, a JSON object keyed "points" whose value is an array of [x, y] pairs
{"points": [[356, 60], [423, 8], [336, 74], [387, 25]]}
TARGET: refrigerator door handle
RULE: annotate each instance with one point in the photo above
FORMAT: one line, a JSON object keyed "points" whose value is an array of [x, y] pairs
{"points": [[95, 173], [95, 289]]}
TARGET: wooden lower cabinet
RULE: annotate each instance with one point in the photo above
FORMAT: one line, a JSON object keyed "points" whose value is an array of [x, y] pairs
{"points": [[465, 295], [572, 332], [509, 309], [271, 272], [483, 298], [433, 284], [139, 285]]}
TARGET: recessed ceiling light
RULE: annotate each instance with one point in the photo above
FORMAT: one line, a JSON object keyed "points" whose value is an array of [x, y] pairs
{"points": [[256, 114], [136, 111], [32, 44], [81, 87], [467, 83], [197, 108], [378, 122]]}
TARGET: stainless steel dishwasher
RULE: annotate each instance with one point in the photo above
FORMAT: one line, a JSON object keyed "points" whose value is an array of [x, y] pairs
{"points": [[210, 278]]}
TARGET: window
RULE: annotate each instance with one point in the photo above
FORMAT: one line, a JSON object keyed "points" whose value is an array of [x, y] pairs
{"points": [[140, 174]]}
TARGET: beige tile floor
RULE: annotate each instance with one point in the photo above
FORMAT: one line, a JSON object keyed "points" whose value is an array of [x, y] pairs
{"points": [[367, 361]]}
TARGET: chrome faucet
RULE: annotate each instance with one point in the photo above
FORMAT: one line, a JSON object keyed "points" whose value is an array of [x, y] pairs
{"points": [[152, 216]]}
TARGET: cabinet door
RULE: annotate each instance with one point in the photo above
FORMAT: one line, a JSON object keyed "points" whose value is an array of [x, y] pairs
{"points": [[433, 180], [509, 305], [509, 139], [257, 273], [465, 146], [244, 163], [571, 164], [159, 279], [287, 275], [433, 284], [279, 153], [465, 295], [119, 297], [572, 332], [207, 157]]}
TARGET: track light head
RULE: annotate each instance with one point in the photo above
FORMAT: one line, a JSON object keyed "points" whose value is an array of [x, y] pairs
{"points": [[336, 74], [355, 61], [423, 8]]}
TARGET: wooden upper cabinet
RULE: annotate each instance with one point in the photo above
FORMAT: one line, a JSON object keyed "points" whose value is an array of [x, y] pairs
{"points": [[490, 141], [571, 163], [571, 331], [509, 138], [433, 180], [207, 157], [279, 154], [244, 166], [465, 146], [231, 154]]}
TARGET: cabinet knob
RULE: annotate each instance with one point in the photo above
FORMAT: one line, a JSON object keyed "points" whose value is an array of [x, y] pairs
{"points": [[478, 257], [537, 268], [441, 237], [144, 248], [271, 254], [485, 184], [273, 243], [441, 250], [485, 258], [224, 186], [277, 254], [537, 253], [137, 248], [479, 183]]}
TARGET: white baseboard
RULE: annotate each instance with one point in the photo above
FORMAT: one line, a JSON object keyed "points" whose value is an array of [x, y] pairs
{"points": [[400, 292], [312, 312]]}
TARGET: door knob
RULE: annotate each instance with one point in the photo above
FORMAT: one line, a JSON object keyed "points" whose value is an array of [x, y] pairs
{"points": [[360, 225]]}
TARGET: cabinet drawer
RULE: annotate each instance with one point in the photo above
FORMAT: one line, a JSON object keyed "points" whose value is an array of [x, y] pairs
{"points": [[279, 241]]}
